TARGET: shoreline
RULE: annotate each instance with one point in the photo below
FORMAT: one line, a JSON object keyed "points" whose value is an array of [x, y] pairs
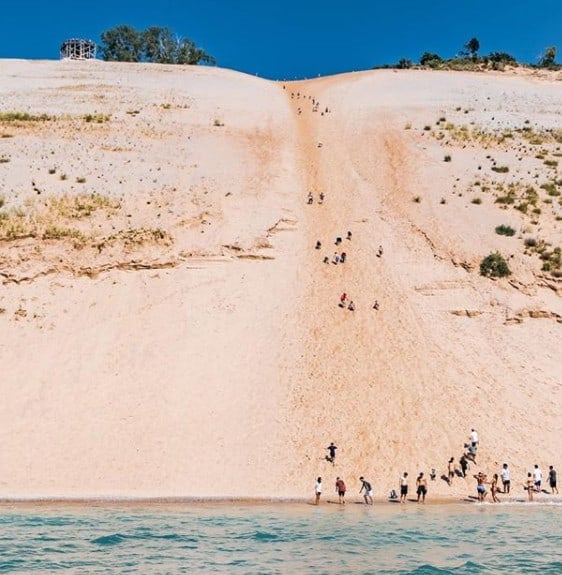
{"points": [[126, 502]]}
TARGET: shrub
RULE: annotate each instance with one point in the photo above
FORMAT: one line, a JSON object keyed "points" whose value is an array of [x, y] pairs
{"points": [[447, 158], [530, 242], [505, 230], [551, 163], [80, 180], [477, 201], [500, 169], [417, 199], [494, 266]]}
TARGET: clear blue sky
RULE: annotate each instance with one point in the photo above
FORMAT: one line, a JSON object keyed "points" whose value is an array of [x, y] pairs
{"points": [[289, 39]]}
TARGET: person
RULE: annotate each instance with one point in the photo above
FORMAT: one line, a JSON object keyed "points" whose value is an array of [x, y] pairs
{"points": [[340, 490], [336, 258], [318, 244], [421, 484], [494, 488], [343, 257], [326, 260], [366, 486], [343, 297], [451, 470], [338, 241], [332, 453], [537, 476], [376, 305], [351, 306], [310, 198], [403, 487], [349, 235], [470, 452], [463, 461], [530, 487], [474, 437], [506, 478], [322, 196], [480, 487], [380, 252], [318, 490], [552, 479]]}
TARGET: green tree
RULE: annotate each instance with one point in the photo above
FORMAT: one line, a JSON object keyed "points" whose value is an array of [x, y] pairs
{"points": [[471, 49], [430, 59], [548, 59], [404, 64], [121, 44]]}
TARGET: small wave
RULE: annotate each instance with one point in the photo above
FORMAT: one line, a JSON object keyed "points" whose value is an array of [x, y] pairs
{"points": [[114, 539], [265, 536]]}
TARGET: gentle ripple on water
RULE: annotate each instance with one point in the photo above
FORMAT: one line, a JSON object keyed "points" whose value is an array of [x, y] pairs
{"points": [[244, 540]]}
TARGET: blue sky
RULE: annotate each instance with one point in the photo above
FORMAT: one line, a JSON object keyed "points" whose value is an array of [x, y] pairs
{"points": [[295, 39]]}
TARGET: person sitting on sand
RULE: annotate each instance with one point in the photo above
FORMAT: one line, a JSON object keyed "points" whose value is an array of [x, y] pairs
{"points": [[336, 258], [326, 260], [376, 305], [322, 196], [349, 235], [340, 490], [480, 487], [380, 252], [310, 198], [338, 241], [351, 306], [368, 491], [318, 245], [421, 484], [343, 257], [343, 297]]}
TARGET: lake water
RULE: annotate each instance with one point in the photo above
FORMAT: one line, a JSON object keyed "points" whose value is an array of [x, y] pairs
{"points": [[254, 539]]}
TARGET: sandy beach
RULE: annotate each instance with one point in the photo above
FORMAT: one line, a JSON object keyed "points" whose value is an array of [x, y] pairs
{"points": [[168, 329]]}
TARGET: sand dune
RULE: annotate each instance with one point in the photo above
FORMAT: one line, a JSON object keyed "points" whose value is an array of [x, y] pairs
{"points": [[169, 330]]}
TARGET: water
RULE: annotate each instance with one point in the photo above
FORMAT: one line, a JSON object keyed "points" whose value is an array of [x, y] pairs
{"points": [[257, 539]]}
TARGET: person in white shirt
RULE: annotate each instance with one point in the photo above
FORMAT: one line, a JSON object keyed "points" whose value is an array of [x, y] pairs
{"points": [[506, 478], [537, 476], [474, 437]]}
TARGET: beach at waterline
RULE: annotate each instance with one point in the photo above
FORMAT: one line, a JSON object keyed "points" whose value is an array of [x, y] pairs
{"points": [[289, 538]]}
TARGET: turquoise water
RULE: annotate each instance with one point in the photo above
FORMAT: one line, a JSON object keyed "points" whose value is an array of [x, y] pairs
{"points": [[460, 539]]}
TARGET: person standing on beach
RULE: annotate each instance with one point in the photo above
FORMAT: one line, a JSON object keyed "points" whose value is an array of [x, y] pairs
{"points": [[537, 476], [451, 470], [318, 490], [340, 490], [506, 478], [530, 486], [480, 487], [366, 486], [494, 488], [552, 479], [474, 437], [421, 484], [403, 487]]}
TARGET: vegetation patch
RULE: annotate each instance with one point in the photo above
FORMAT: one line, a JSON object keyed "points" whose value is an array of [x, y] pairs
{"points": [[505, 230], [15, 117], [495, 266]]}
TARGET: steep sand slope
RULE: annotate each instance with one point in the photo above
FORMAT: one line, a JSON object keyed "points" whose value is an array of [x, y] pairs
{"points": [[189, 343]]}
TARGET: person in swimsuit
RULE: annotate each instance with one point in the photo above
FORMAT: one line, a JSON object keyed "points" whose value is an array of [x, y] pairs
{"points": [[340, 490], [451, 470], [494, 488], [530, 487], [421, 484], [403, 487], [480, 487]]}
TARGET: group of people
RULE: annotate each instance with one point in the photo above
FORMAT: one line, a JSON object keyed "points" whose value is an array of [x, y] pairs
{"points": [[532, 485]]}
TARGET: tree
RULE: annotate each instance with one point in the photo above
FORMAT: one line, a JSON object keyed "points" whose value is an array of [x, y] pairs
{"points": [[430, 59], [404, 64], [155, 44], [471, 48], [121, 44], [548, 59], [501, 57]]}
